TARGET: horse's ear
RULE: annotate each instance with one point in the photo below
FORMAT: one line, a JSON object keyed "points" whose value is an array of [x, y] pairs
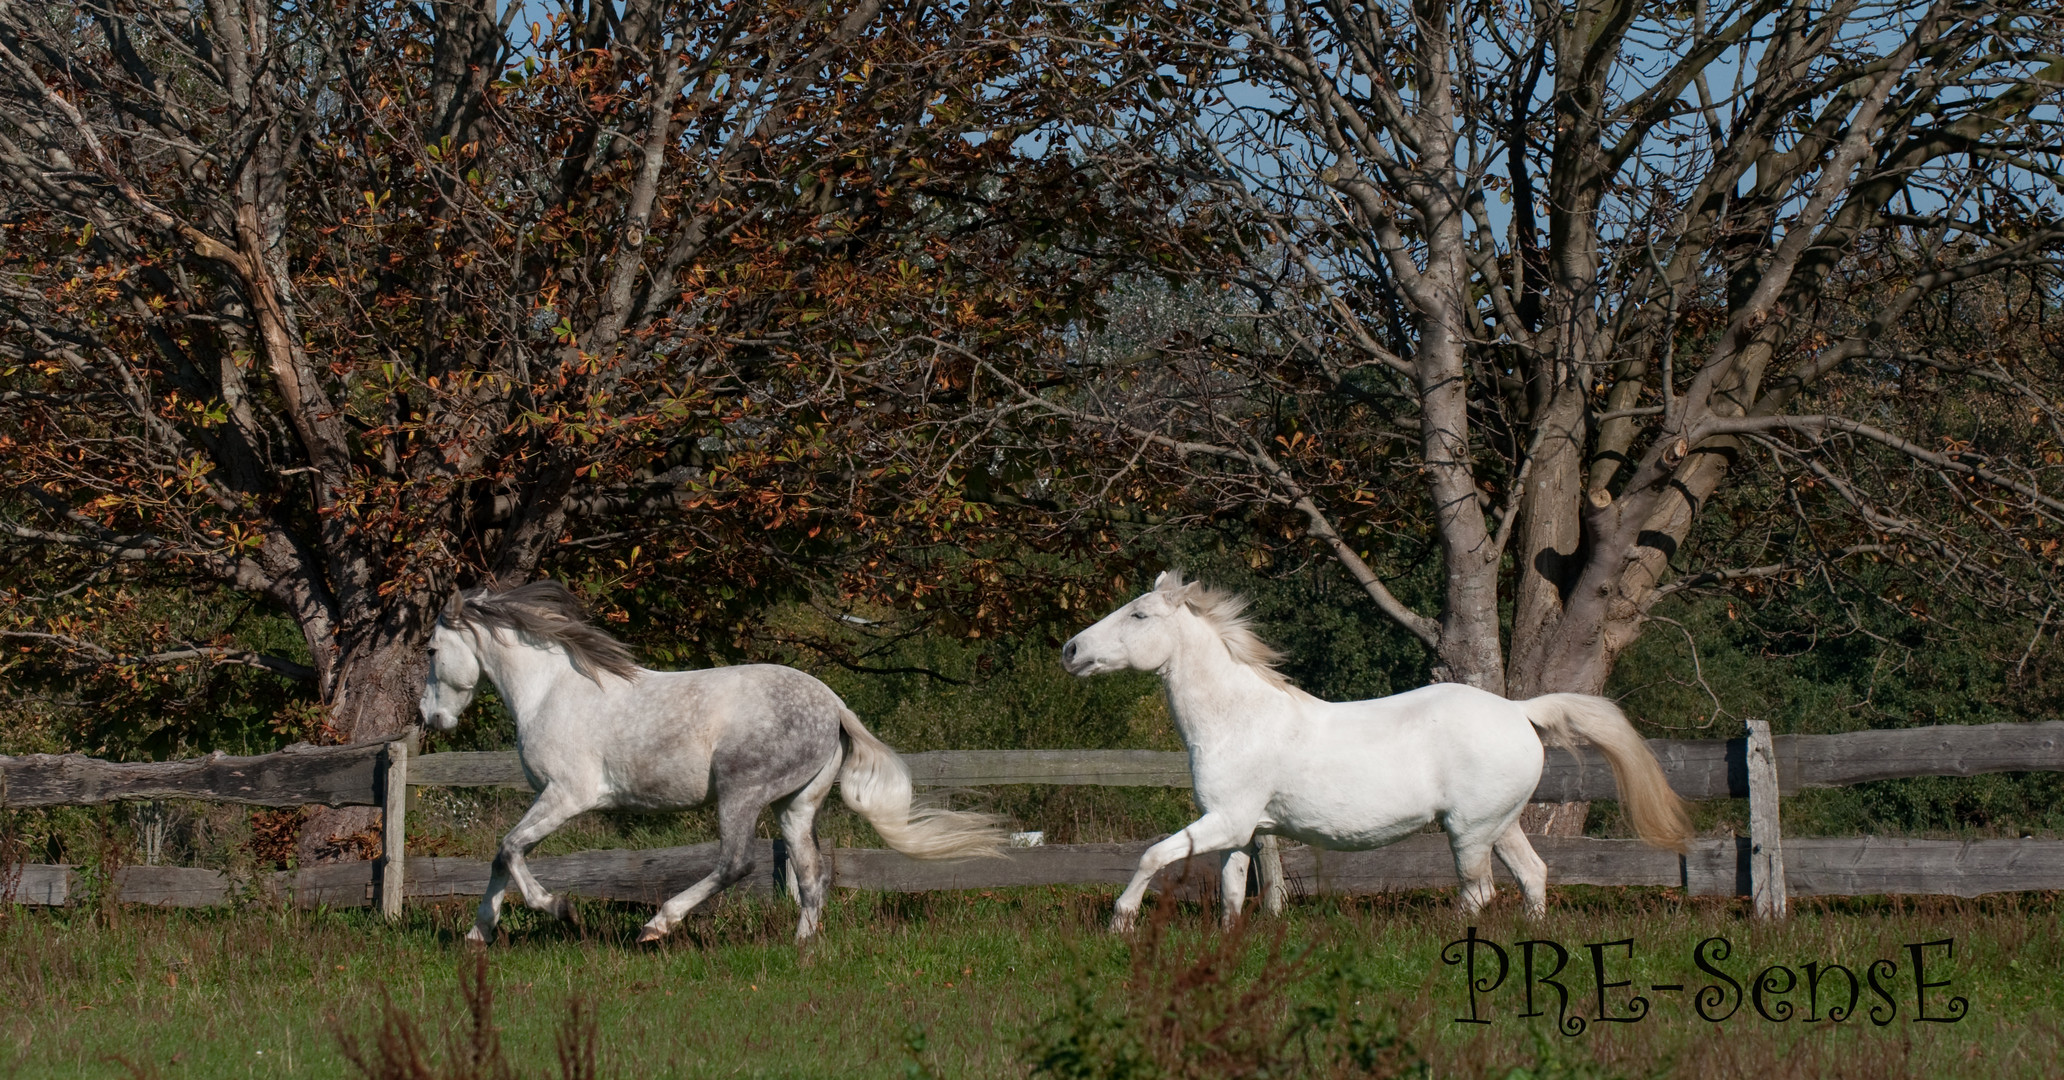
{"points": [[454, 608], [1168, 581]]}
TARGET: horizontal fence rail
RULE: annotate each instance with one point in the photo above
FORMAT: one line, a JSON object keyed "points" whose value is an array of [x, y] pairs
{"points": [[378, 774], [1697, 768], [296, 776], [1821, 866]]}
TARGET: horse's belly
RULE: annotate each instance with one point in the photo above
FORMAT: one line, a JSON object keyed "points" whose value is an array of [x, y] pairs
{"points": [[673, 776], [1374, 835], [1348, 823], [672, 791]]}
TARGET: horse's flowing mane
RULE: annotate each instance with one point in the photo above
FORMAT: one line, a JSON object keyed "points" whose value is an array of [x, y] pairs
{"points": [[548, 611], [1224, 612]]}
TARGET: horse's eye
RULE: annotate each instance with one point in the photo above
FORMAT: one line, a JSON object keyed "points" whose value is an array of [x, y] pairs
{"points": [[1139, 614]]}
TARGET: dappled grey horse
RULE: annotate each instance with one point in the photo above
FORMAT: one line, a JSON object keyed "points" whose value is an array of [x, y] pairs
{"points": [[594, 731]]}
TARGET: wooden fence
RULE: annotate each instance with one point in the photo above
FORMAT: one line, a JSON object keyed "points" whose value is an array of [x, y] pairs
{"points": [[1764, 865]]}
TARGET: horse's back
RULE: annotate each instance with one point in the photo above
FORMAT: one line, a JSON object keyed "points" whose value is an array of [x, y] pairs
{"points": [[685, 732], [1439, 716], [771, 701]]}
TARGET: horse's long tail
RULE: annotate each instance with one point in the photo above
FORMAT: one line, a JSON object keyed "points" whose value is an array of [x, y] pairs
{"points": [[1657, 812], [876, 784]]}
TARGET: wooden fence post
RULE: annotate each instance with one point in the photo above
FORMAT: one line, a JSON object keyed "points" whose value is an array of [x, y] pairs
{"points": [[1766, 839], [394, 820]]}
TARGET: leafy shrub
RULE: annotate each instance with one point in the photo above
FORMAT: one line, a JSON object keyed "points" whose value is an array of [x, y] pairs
{"points": [[1219, 1006], [398, 1050]]}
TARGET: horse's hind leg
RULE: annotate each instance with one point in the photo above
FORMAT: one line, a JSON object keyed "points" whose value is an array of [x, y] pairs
{"points": [[735, 817], [554, 807], [1473, 866], [808, 880], [1519, 856]]}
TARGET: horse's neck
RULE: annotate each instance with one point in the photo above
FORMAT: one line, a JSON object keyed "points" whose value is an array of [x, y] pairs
{"points": [[524, 675], [1211, 696]]}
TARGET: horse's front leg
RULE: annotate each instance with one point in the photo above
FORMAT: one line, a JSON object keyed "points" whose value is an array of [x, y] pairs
{"points": [[1212, 832], [1232, 876], [555, 806]]}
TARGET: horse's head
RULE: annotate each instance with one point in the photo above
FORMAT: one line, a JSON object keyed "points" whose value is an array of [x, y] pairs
{"points": [[1140, 636], [454, 673]]}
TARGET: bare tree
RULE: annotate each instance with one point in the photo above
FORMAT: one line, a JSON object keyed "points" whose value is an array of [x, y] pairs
{"points": [[1532, 290]]}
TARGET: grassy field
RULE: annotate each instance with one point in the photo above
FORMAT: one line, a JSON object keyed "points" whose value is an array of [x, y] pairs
{"points": [[995, 984]]}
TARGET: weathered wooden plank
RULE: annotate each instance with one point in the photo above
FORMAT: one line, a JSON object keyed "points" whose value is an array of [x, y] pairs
{"points": [[1583, 860], [1420, 861], [942, 768], [644, 875], [1766, 838], [1855, 757], [1697, 768], [172, 886], [331, 775], [1070, 864], [433, 877], [394, 828], [469, 768], [36, 884], [1877, 865], [1417, 862], [1815, 866], [1718, 769], [335, 884], [1425, 861], [1717, 867], [1105, 768], [344, 884]]}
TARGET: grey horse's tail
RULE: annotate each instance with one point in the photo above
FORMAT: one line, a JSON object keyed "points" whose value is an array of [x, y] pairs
{"points": [[1656, 811], [876, 784]]}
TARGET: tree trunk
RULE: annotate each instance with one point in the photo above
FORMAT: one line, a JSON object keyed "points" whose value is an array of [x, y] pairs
{"points": [[1564, 818], [373, 686], [379, 683]]}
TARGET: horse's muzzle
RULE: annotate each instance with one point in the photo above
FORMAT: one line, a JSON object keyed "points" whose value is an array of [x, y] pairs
{"points": [[1071, 654]]}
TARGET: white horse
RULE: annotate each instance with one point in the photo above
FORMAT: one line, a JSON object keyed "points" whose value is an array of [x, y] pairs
{"points": [[594, 730], [1270, 759]]}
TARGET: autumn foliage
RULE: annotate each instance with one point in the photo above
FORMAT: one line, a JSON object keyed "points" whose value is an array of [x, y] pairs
{"points": [[341, 306]]}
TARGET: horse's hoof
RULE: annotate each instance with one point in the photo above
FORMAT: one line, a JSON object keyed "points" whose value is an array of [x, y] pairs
{"points": [[563, 909], [476, 938], [650, 935]]}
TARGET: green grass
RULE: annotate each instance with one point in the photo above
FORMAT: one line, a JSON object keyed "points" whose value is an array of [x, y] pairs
{"points": [[982, 977]]}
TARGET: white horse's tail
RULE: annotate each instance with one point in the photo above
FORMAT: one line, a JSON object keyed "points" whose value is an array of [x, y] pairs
{"points": [[876, 784], [1645, 795]]}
